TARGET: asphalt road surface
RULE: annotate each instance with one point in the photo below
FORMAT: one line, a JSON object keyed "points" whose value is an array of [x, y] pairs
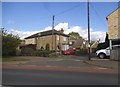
{"points": [[45, 77]]}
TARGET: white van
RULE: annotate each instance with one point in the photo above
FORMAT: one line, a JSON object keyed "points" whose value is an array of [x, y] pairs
{"points": [[103, 53]]}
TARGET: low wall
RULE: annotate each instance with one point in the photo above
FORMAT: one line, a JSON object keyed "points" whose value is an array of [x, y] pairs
{"points": [[115, 54]]}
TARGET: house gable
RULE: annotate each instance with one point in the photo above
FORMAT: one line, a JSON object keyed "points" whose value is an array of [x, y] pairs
{"points": [[113, 24]]}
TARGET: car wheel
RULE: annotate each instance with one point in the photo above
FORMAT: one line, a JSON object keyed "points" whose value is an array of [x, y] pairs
{"points": [[102, 55]]}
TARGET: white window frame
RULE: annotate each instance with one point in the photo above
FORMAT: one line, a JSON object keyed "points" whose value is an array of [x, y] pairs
{"points": [[64, 38]]}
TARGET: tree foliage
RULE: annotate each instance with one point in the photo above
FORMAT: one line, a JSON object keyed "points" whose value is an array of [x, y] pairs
{"points": [[9, 44], [75, 35]]}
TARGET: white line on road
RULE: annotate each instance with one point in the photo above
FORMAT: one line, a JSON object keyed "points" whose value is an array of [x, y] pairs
{"points": [[50, 66], [78, 60], [30, 65], [98, 59], [72, 67], [101, 68]]}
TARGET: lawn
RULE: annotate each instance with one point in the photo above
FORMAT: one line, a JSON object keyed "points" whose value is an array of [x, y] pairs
{"points": [[11, 59]]}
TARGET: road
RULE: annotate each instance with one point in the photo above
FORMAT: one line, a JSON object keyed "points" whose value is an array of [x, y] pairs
{"points": [[47, 77]]}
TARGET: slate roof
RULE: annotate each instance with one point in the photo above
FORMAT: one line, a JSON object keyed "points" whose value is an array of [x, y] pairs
{"points": [[46, 33]]}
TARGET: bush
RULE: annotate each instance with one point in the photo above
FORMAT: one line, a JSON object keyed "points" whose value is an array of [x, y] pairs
{"points": [[43, 53], [53, 55], [30, 52], [27, 52]]}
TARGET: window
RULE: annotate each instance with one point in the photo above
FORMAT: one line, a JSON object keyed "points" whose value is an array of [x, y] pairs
{"points": [[70, 42], [64, 39], [57, 37]]}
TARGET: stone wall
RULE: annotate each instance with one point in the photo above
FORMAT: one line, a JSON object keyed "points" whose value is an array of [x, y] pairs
{"points": [[42, 41], [30, 41]]}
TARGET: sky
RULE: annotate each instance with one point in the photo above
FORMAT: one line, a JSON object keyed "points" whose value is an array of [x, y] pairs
{"points": [[27, 18]]}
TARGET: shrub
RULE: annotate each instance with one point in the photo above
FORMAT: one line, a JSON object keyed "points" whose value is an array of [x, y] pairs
{"points": [[43, 53], [27, 52], [53, 55], [30, 52]]}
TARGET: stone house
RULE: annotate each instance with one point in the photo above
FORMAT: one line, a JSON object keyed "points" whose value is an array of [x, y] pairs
{"points": [[51, 39], [113, 25], [114, 28], [76, 43], [82, 44]]}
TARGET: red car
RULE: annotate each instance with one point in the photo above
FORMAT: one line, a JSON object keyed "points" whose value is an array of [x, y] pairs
{"points": [[69, 52]]}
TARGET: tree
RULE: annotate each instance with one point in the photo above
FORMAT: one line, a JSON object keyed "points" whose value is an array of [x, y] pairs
{"points": [[75, 35], [9, 43]]}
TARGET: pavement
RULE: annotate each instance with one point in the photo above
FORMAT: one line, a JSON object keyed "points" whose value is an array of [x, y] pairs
{"points": [[76, 62], [69, 70], [105, 63]]}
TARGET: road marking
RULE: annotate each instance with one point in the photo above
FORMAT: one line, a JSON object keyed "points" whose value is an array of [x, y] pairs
{"points": [[50, 66], [101, 68], [58, 59], [30, 65], [72, 67], [78, 60], [98, 59], [55, 60]]}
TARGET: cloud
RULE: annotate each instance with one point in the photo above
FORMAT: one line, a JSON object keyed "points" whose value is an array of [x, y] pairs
{"points": [[61, 25], [22, 34], [95, 35]]}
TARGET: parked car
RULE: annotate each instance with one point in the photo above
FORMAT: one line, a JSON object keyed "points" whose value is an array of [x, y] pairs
{"points": [[103, 53], [69, 52]]}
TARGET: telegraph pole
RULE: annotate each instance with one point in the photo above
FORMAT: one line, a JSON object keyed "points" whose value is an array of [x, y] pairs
{"points": [[52, 30], [88, 29]]}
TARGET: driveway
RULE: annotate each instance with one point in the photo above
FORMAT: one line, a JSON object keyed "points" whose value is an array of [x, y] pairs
{"points": [[66, 61]]}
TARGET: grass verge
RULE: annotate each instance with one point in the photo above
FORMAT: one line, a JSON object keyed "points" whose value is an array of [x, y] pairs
{"points": [[12, 59]]}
